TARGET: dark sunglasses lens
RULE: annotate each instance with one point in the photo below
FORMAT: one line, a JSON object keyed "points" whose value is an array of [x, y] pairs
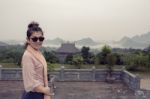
{"points": [[41, 39], [34, 39]]}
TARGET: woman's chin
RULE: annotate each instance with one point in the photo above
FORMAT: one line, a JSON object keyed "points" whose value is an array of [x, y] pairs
{"points": [[37, 47]]}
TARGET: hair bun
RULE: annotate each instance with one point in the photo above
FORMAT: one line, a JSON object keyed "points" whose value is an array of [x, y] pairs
{"points": [[33, 24]]}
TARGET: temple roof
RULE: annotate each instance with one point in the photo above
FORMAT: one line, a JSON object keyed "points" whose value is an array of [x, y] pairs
{"points": [[67, 48]]}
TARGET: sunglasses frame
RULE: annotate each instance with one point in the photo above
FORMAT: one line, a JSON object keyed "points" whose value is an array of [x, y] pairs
{"points": [[35, 39]]}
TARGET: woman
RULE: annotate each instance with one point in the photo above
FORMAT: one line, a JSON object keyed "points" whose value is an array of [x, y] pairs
{"points": [[34, 66]]}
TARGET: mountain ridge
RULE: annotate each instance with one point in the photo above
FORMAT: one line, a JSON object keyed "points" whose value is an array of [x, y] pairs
{"points": [[137, 41]]}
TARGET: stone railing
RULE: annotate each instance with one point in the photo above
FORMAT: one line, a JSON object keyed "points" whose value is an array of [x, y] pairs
{"points": [[77, 75], [84, 75], [64, 74], [134, 83], [10, 74], [142, 94], [131, 80]]}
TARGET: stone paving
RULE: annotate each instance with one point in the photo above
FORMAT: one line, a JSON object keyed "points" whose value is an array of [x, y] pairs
{"points": [[145, 84], [72, 90], [11, 89]]}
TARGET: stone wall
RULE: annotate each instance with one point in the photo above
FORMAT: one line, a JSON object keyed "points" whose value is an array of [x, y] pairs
{"points": [[84, 74], [134, 83], [11, 74], [131, 80]]}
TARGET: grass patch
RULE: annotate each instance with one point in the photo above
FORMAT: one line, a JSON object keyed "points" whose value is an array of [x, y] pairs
{"points": [[53, 66], [87, 66], [9, 65]]}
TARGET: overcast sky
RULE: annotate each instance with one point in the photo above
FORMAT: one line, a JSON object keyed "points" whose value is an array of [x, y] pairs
{"points": [[75, 19]]}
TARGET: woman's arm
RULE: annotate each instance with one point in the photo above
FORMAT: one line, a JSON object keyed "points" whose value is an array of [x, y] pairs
{"points": [[42, 89], [46, 83]]}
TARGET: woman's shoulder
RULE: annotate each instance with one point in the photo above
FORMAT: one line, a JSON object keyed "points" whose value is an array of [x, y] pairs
{"points": [[26, 58], [27, 54]]}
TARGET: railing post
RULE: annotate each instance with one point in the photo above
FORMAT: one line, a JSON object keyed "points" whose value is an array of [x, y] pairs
{"points": [[0, 72], [122, 74], [138, 81], [93, 73], [62, 73]]}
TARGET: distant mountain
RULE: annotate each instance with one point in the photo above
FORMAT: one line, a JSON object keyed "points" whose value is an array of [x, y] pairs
{"points": [[3, 44], [124, 40], [14, 42], [59, 41], [145, 38], [86, 42], [56, 41], [136, 42]]}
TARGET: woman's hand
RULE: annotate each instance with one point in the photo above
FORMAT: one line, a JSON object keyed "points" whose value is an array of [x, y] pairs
{"points": [[47, 97], [47, 91]]}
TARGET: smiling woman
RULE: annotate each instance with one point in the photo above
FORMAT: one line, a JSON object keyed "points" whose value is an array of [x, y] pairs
{"points": [[33, 34], [34, 66]]}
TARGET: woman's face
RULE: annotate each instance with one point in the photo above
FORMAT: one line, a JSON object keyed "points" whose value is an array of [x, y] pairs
{"points": [[36, 40]]}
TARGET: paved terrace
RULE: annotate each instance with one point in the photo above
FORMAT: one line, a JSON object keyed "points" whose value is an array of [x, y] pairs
{"points": [[72, 90]]}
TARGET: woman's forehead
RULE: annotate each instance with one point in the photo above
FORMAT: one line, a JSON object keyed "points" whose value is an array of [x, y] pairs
{"points": [[37, 34]]}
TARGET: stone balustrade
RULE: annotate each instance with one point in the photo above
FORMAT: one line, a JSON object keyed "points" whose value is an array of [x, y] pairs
{"points": [[62, 74]]}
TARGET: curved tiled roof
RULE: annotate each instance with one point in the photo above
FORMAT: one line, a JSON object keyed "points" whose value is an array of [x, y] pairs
{"points": [[67, 48]]}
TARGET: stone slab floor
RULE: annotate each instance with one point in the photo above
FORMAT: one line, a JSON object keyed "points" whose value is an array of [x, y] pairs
{"points": [[72, 90]]}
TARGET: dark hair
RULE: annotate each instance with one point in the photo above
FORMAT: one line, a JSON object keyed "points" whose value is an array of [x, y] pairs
{"points": [[33, 27]]}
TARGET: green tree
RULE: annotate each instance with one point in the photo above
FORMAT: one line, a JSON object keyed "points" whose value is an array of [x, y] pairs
{"points": [[50, 57], [85, 54], [111, 60], [77, 60], [98, 59], [119, 60], [136, 62], [105, 51], [11, 54], [91, 59]]}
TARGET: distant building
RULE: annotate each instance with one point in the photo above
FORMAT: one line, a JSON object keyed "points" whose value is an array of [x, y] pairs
{"points": [[65, 50]]}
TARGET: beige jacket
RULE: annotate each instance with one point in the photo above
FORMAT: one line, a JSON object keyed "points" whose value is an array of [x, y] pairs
{"points": [[33, 72]]}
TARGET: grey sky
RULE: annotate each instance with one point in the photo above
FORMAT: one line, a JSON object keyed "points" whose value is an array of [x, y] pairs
{"points": [[75, 19]]}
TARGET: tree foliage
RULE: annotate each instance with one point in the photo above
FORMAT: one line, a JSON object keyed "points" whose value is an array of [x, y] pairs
{"points": [[133, 59], [50, 56], [136, 61], [77, 60], [101, 58], [88, 57], [11, 54]]}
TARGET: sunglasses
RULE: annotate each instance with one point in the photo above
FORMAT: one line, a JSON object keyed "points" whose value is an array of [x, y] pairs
{"points": [[35, 39]]}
